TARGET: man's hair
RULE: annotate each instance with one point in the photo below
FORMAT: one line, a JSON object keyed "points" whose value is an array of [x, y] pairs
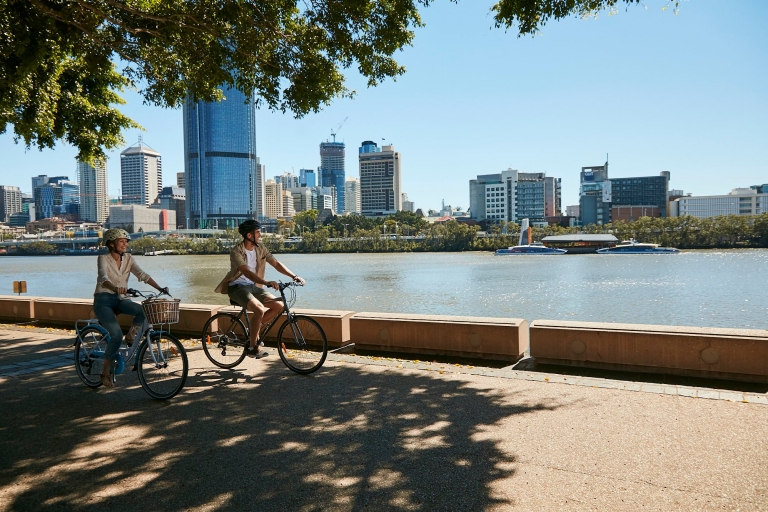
{"points": [[248, 226]]}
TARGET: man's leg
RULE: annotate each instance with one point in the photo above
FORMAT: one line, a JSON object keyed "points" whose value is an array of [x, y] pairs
{"points": [[274, 308], [258, 311]]}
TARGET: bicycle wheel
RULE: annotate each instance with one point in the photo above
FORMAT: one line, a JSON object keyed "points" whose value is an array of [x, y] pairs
{"points": [[89, 356], [302, 344], [162, 366], [224, 340]]}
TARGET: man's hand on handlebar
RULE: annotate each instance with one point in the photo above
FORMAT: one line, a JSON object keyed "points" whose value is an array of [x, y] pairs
{"points": [[299, 280], [273, 284]]}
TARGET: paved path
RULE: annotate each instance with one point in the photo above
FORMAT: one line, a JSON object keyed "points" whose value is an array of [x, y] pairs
{"points": [[370, 433]]}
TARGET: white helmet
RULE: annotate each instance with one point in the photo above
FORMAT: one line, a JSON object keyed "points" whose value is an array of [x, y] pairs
{"points": [[113, 234]]}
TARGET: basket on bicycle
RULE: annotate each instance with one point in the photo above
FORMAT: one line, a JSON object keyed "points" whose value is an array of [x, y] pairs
{"points": [[161, 311]]}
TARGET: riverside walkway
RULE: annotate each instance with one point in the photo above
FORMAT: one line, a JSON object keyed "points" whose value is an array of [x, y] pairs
{"points": [[371, 433]]}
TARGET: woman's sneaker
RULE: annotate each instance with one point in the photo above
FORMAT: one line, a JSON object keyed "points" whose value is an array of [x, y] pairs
{"points": [[255, 352]]}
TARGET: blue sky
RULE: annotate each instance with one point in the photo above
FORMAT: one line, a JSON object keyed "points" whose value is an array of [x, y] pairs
{"points": [[685, 93]]}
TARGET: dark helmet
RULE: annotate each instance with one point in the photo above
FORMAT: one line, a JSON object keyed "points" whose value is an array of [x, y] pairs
{"points": [[248, 226]]}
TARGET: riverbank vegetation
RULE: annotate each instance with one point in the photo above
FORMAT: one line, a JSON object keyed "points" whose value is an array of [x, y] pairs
{"points": [[408, 232]]}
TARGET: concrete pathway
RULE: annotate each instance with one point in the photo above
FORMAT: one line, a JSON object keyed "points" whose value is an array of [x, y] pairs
{"points": [[370, 433]]}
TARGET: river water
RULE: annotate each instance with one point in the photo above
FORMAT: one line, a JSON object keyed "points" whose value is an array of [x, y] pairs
{"points": [[718, 288]]}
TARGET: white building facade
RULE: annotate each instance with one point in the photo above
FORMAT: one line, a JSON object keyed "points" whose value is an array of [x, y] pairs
{"points": [[740, 201], [94, 201], [380, 187], [352, 196], [10, 201], [141, 172]]}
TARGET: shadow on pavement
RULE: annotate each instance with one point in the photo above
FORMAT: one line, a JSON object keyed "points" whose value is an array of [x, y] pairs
{"points": [[345, 438]]}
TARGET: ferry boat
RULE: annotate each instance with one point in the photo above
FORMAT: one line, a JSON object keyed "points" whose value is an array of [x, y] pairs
{"points": [[529, 248], [632, 246]]}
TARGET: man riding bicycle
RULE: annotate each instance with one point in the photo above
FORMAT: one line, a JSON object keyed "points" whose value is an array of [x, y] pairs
{"points": [[244, 283], [114, 269]]}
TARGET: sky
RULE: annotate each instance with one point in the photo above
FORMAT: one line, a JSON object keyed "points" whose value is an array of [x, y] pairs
{"points": [[650, 90]]}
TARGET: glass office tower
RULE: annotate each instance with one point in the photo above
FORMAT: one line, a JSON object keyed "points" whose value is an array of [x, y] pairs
{"points": [[332, 169], [220, 162]]}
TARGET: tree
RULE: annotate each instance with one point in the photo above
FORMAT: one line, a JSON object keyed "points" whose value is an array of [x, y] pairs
{"points": [[306, 219], [63, 62]]}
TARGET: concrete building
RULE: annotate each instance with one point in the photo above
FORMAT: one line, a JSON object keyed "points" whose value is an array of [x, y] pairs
{"points": [[740, 201], [572, 211], [512, 195], [408, 206], [380, 187], [273, 199], [135, 218], [180, 179], [141, 174], [94, 201], [288, 180], [173, 198], [645, 191], [352, 198], [10, 202], [288, 209], [259, 180], [220, 161], [332, 169], [595, 195], [55, 196], [302, 198]]}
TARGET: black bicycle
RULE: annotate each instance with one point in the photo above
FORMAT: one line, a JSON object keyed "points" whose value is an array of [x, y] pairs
{"points": [[301, 342]]}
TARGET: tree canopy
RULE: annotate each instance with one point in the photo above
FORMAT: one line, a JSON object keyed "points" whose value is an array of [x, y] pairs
{"points": [[63, 63]]}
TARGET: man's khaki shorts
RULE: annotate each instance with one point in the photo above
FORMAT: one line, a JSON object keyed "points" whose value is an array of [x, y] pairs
{"points": [[243, 293]]}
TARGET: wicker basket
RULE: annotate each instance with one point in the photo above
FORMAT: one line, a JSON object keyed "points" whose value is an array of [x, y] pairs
{"points": [[162, 311]]}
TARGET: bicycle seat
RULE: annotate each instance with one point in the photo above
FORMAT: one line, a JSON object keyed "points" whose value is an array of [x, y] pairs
{"points": [[233, 303]]}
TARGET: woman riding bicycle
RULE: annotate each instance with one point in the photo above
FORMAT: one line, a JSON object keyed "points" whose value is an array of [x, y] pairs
{"points": [[114, 268]]}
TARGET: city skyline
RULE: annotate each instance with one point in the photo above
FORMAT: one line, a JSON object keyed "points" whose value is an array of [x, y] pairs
{"points": [[655, 91]]}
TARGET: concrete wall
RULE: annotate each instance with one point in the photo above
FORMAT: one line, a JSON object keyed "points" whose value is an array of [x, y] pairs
{"points": [[736, 354], [504, 339]]}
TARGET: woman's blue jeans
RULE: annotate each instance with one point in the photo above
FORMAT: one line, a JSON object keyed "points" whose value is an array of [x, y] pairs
{"points": [[107, 306]]}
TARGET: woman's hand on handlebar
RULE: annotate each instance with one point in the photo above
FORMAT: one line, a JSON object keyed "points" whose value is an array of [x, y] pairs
{"points": [[164, 290]]}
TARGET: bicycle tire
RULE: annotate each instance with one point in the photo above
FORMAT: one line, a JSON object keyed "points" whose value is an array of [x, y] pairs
{"points": [[89, 368], [225, 345], [304, 347], [166, 378]]}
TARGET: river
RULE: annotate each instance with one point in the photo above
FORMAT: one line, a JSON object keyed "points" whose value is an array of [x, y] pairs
{"points": [[717, 288]]}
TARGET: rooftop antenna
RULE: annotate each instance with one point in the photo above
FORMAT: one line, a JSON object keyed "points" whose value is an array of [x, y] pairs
{"points": [[140, 140]]}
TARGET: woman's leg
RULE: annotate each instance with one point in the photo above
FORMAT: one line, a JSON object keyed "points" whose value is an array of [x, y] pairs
{"points": [[103, 307], [128, 307]]}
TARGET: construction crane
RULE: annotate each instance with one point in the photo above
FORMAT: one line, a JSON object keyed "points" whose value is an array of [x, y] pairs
{"points": [[333, 134]]}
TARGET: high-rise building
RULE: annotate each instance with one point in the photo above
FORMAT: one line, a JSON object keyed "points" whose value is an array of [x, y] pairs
{"points": [[180, 179], [10, 201], [173, 199], [55, 195], [307, 178], [94, 201], [259, 188], [288, 180], [595, 195], [332, 169], [646, 191], [220, 161], [273, 199], [288, 208], [352, 196], [512, 196], [380, 190], [302, 198], [141, 173], [408, 206]]}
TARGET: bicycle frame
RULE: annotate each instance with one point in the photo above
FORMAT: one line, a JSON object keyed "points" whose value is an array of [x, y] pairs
{"points": [[267, 326], [146, 337]]}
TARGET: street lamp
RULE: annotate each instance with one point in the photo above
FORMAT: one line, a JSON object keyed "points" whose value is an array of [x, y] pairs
{"points": [[345, 230]]}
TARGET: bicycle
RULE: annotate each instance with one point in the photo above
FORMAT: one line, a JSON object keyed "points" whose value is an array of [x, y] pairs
{"points": [[161, 361], [301, 342]]}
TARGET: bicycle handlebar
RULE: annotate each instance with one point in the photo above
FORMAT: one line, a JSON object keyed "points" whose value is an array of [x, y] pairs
{"points": [[283, 286], [147, 295]]}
